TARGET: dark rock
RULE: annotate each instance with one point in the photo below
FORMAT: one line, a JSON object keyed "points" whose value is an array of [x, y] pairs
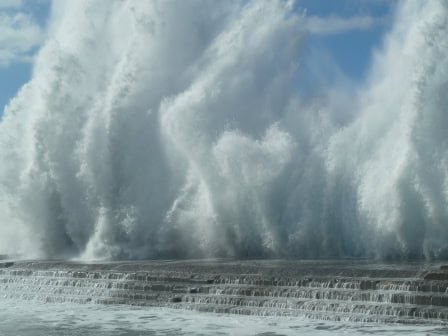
{"points": [[6, 264], [436, 276]]}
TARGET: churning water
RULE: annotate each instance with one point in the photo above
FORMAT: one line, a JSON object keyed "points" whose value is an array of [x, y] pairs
{"points": [[197, 128], [25, 319]]}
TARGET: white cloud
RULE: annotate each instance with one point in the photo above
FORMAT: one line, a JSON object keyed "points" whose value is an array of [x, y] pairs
{"points": [[19, 35], [11, 3], [337, 25]]}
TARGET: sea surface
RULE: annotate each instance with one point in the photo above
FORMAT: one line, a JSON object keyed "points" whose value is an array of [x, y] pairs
{"points": [[24, 318]]}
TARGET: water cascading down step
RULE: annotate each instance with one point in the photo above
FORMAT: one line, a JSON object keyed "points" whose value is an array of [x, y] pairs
{"points": [[357, 291]]}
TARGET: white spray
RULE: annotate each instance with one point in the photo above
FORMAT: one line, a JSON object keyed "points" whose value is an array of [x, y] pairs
{"points": [[178, 129]]}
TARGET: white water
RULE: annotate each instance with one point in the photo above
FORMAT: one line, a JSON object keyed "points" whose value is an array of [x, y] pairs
{"points": [[186, 129], [25, 319]]}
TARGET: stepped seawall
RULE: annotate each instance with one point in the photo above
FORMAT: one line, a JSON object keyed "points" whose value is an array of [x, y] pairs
{"points": [[356, 291]]}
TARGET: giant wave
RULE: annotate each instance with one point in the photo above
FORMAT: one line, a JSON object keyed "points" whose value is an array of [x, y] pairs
{"points": [[164, 129]]}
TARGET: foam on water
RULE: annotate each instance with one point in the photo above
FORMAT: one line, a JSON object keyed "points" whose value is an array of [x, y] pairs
{"points": [[25, 319], [186, 129]]}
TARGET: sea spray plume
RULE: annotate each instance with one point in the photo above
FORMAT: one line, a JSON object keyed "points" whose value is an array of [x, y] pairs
{"points": [[81, 154], [90, 176], [175, 129], [396, 149], [429, 136], [223, 127]]}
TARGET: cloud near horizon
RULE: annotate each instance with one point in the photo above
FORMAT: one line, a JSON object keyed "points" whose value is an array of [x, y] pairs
{"points": [[331, 25], [20, 34], [11, 3]]}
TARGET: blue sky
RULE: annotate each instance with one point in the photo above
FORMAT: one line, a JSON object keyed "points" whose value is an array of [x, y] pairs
{"points": [[351, 50], [22, 30], [346, 31]]}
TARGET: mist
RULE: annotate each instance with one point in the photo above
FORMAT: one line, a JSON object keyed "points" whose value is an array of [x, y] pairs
{"points": [[185, 129]]}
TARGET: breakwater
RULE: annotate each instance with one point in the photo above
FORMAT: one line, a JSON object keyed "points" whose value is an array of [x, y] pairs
{"points": [[356, 291]]}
